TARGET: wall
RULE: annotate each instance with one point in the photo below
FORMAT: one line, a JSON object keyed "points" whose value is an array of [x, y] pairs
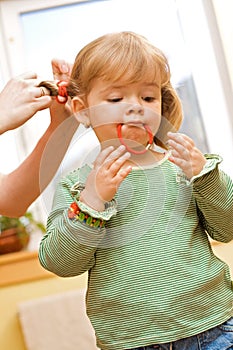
{"points": [[224, 10]]}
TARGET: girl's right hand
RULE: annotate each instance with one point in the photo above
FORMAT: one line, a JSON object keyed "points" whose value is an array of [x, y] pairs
{"points": [[106, 176]]}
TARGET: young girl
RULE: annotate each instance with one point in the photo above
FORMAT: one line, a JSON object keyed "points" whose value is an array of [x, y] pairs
{"points": [[137, 220]]}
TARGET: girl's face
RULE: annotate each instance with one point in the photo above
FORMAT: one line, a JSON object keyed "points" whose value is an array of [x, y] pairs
{"points": [[131, 105]]}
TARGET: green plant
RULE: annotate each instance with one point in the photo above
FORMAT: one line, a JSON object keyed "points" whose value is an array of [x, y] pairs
{"points": [[26, 221], [15, 232]]}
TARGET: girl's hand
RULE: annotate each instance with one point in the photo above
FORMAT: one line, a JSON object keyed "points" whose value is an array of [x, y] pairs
{"points": [[185, 155], [105, 178]]}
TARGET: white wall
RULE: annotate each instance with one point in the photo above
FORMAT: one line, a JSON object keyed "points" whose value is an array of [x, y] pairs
{"points": [[224, 14]]}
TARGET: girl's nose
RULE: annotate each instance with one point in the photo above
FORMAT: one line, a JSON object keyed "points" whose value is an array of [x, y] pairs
{"points": [[135, 109]]}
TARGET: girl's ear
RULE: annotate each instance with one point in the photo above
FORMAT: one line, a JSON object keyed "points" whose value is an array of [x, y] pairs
{"points": [[81, 112]]}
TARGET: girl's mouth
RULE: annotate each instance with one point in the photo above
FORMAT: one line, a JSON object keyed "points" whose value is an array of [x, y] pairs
{"points": [[129, 149]]}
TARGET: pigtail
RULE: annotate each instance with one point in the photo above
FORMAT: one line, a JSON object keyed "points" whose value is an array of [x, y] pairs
{"points": [[63, 89], [51, 86], [172, 114]]}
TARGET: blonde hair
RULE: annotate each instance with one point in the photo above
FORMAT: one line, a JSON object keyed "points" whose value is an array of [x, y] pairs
{"points": [[128, 56]]}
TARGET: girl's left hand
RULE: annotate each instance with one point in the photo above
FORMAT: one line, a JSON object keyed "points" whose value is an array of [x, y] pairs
{"points": [[185, 154]]}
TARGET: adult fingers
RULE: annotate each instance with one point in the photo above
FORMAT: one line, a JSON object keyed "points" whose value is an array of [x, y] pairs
{"points": [[27, 75], [61, 69], [41, 91], [40, 103]]}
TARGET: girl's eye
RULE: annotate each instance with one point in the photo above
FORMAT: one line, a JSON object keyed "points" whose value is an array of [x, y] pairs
{"points": [[112, 100], [148, 99]]}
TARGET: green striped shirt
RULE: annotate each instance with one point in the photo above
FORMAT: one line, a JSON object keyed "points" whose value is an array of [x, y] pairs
{"points": [[153, 277]]}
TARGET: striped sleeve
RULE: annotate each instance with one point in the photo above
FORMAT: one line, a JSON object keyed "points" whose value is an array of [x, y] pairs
{"points": [[68, 247], [214, 197]]}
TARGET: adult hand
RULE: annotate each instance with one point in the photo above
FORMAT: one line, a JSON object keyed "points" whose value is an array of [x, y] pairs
{"points": [[185, 154], [20, 99], [103, 181], [61, 71]]}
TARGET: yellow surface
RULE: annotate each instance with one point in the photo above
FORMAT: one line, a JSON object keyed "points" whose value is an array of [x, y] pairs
{"points": [[225, 252], [21, 267], [10, 333]]}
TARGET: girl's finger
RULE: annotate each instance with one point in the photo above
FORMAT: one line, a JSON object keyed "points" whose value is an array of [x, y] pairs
{"points": [[113, 156], [174, 153], [181, 153], [182, 164], [178, 147], [182, 139], [102, 156], [188, 140], [122, 174], [118, 163]]}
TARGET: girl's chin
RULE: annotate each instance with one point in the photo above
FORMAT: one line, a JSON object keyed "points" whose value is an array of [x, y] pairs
{"points": [[134, 134], [133, 138], [135, 143]]}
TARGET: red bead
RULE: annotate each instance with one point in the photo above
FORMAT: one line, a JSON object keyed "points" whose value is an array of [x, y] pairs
{"points": [[74, 206], [71, 214]]}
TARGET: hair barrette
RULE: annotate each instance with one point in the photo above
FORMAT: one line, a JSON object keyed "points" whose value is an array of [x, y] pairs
{"points": [[62, 95]]}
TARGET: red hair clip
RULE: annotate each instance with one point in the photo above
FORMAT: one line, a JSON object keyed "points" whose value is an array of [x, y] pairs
{"points": [[62, 96]]}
